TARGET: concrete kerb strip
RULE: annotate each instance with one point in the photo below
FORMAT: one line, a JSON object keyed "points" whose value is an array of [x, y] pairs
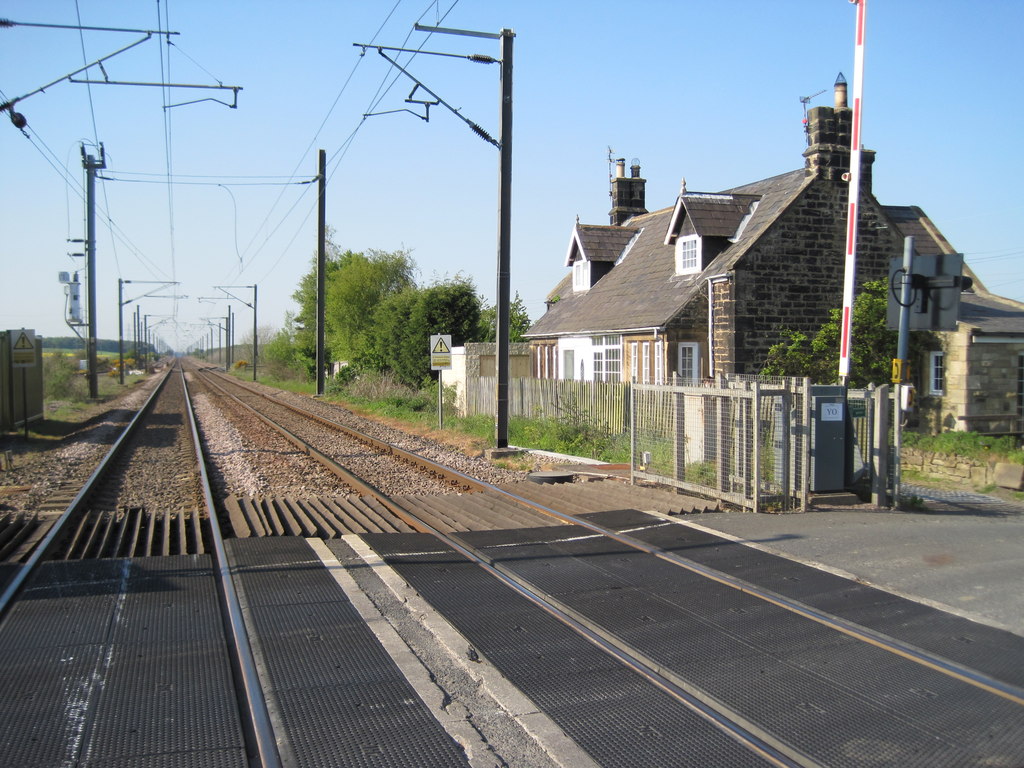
{"points": [[559, 747], [945, 607]]}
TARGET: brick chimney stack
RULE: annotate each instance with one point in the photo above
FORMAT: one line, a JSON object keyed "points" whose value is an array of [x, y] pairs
{"points": [[628, 194], [828, 130]]}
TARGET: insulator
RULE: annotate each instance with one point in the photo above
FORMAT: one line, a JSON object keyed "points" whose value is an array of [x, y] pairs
{"points": [[482, 133], [480, 58]]}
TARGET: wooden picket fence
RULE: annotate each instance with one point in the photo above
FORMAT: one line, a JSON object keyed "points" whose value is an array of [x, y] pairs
{"points": [[598, 404]]}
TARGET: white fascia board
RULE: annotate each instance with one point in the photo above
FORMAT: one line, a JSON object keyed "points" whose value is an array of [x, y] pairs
{"points": [[575, 244], [979, 339], [595, 332], [629, 247], [744, 221], [676, 223]]}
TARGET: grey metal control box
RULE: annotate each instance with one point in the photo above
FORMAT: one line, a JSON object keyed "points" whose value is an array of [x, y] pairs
{"points": [[828, 438]]}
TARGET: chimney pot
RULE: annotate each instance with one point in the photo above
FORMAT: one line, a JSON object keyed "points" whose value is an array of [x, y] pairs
{"points": [[627, 193], [840, 92]]}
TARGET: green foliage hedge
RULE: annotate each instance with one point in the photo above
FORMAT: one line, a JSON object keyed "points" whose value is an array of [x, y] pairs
{"points": [[970, 445]]}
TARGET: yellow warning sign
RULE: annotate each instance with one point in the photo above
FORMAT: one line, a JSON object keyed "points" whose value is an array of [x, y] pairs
{"points": [[440, 352], [23, 351]]}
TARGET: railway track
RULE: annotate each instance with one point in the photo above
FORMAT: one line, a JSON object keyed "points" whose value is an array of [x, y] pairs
{"points": [[586, 558], [157, 467], [431, 517]]}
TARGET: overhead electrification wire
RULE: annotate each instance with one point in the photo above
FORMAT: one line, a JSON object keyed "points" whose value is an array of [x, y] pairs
{"points": [[96, 137], [163, 23], [338, 155], [174, 180], [305, 153]]}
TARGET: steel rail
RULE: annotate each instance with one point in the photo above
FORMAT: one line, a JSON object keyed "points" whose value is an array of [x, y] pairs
{"points": [[739, 728], [251, 699], [718, 714], [353, 481], [52, 537], [864, 634], [453, 477]]}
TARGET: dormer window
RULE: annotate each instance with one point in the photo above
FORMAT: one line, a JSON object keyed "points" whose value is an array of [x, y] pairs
{"points": [[688, 254], [581, 275]]}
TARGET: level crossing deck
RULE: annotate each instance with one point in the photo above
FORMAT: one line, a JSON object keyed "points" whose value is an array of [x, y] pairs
{"points": [[123, 662]]}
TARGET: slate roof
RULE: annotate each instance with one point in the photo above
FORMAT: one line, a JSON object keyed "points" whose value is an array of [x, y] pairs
{"points": [[717, 215], [643, 291], [992, 314], [598, 243], [911, 221]]}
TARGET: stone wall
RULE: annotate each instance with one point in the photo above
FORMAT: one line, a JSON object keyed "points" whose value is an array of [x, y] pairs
{"points": [[794, 277], [981, 386], [966, 472]]}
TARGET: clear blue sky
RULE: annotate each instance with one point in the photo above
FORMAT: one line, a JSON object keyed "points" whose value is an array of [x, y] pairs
{"points": [[709, 91]]}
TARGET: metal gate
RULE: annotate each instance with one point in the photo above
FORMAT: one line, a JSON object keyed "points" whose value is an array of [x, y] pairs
{"points": [[742, 439]]}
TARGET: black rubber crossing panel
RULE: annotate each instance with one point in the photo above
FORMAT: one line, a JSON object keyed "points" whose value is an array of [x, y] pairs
{"points": [[620, 718], [817, 689], [336, 695], [994, 652], [118, 663]]}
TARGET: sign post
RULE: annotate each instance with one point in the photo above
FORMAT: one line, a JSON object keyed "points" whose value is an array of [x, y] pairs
{"points": [[440, 360], [23, 355]]}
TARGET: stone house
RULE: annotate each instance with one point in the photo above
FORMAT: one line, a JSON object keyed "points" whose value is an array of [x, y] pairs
{"points": [[706, 286], [973, 379]]}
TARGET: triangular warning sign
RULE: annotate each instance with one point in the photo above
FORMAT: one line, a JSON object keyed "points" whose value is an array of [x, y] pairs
{"points": [[440, 348], [23, 342]]}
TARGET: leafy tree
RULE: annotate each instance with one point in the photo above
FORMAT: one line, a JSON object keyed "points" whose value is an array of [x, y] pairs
{"points": [[387, 349], [283, 356], [358, 284], [304, 321], [405, 322], [874, 345], [518, 321]]}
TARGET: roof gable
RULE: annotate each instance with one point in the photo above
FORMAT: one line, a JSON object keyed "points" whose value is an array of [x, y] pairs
{"points": [[593, 242], [643, 291], [710, 215]]}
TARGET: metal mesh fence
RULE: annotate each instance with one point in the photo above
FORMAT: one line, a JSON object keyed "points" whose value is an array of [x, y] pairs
{"points": [[742, 440]]}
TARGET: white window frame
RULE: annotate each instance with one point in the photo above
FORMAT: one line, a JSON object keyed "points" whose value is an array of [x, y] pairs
{"points": [[645, 362], [607, 358], [581, 275], [659, 362], [634, 360], [937, 373], [688, 254], [693, 348]]}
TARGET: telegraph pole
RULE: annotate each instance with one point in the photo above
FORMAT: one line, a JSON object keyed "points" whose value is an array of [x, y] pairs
{"points": [[321, 264], [91, 165], [504, 240], [504, 145]]}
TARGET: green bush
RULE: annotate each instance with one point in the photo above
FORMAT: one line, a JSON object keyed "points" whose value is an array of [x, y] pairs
{"points": [[972, 445], [62, 380]]}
